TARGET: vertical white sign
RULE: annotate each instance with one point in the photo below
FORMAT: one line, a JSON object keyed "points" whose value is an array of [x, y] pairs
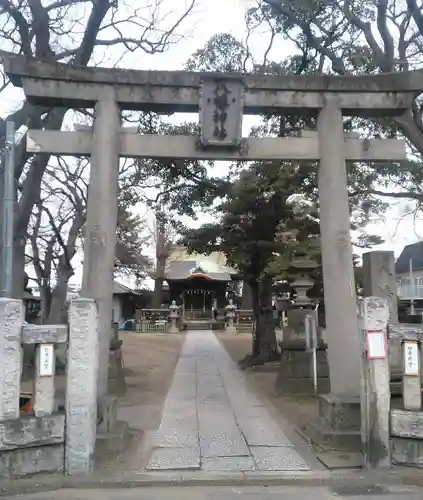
{"points": [[411, 359], [46, 360], [376, 345]]}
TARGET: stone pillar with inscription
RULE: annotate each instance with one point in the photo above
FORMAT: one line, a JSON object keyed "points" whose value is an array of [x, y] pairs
{"points": [[337, 256], [339, 412], [379, 280], [100, 228]]}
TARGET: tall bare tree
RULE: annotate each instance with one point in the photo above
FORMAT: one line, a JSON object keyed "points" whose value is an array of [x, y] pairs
{"points": [[77, 32], [53, 233], [164, 237]]}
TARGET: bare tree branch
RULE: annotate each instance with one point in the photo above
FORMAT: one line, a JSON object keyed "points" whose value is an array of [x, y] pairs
{"points": [[416, 12]]}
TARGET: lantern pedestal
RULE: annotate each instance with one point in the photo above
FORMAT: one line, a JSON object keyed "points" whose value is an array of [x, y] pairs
{"points": [[296, 372], [173, 316], [230, 318]]}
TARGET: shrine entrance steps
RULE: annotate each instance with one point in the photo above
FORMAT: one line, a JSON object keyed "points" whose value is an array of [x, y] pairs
{"points": [[212, 421], [199, 324]]}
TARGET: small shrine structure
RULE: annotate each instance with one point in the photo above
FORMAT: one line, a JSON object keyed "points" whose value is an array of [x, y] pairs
{"points": [[199, 284]]}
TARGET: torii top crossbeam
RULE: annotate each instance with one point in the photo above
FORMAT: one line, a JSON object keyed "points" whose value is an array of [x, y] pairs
{"points": [[59, 84]]}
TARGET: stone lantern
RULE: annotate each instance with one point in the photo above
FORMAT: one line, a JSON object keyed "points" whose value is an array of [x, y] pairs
{"points": [[230, 317], [173, 316], [283, 304], [303, 283], [302, 305], [296, 374]]}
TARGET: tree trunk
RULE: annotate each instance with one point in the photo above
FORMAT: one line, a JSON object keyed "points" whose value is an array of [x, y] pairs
{"points": [[58, 313], [247, 296], [45, 294], [255, 302], [158, 283], [266, 345], [18, 267], [264, 338], [158, 293]]}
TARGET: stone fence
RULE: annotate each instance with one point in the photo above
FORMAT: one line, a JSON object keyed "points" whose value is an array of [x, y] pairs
{"points": [[244, 320], [407, 416], [48, 439], [160, 320]]}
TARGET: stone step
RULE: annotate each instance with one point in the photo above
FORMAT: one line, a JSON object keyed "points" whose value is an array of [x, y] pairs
{"points": [[320, 434], [112, 444], [199, 325], [341, 415]]}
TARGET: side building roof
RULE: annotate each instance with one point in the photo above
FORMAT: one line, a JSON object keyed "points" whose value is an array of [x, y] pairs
{"points": [[414, 252]]}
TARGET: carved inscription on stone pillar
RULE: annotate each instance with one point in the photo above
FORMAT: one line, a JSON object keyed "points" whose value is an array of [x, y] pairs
{"points": [[388, 293], [97, 236], [342, 239], [380, 279], [221, 109]]}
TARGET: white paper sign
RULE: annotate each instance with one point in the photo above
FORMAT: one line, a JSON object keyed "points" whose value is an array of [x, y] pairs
{"points": [[46, 360], [376, 345], [411, 359]]}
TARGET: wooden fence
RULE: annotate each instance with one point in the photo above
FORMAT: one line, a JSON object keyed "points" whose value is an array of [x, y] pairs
{"points": [[153, 321]]}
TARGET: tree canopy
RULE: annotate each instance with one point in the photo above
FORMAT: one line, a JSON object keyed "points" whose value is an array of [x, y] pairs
{"points": [[360, 37]]}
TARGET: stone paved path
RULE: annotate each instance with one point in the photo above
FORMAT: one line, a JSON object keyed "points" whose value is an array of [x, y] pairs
{"points": [[211, 421], [225, 493]]}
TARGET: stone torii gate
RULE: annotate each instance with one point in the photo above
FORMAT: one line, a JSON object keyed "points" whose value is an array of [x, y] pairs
{"points": [[221, 99]]}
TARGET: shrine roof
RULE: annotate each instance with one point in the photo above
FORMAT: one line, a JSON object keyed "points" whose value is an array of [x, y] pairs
{"points": [[119, 289], [180, 270]]}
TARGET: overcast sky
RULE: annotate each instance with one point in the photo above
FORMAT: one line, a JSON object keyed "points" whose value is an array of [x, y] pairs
{"points": [[217, 16]]}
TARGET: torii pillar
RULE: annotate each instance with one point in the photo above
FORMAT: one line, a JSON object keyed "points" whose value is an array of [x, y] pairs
{"points": [[337, 256], [101, 223]]}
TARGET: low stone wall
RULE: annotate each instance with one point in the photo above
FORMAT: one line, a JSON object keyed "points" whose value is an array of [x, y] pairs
{"points": [[407, 422], [32, 445], [44, 439], [407, 437]]}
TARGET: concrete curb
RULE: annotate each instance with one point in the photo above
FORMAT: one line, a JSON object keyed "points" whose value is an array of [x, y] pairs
{"points": [[193, 478]]}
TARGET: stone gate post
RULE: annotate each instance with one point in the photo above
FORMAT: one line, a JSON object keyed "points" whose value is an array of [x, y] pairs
{"points": [[379, 280], [11, 320], [337, 255], [82, 386], [100, 230], [375, 393]]}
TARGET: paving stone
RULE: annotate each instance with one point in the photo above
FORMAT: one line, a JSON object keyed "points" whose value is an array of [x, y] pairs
{"points": [[175, 437], [174, 458], [283, 459], [227, 464], [189, 423], [263, 437], [219, 423], [211, 417], [222, 444]]}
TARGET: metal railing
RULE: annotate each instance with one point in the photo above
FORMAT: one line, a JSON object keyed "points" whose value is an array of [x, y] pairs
{"points": [[410, 292]]}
